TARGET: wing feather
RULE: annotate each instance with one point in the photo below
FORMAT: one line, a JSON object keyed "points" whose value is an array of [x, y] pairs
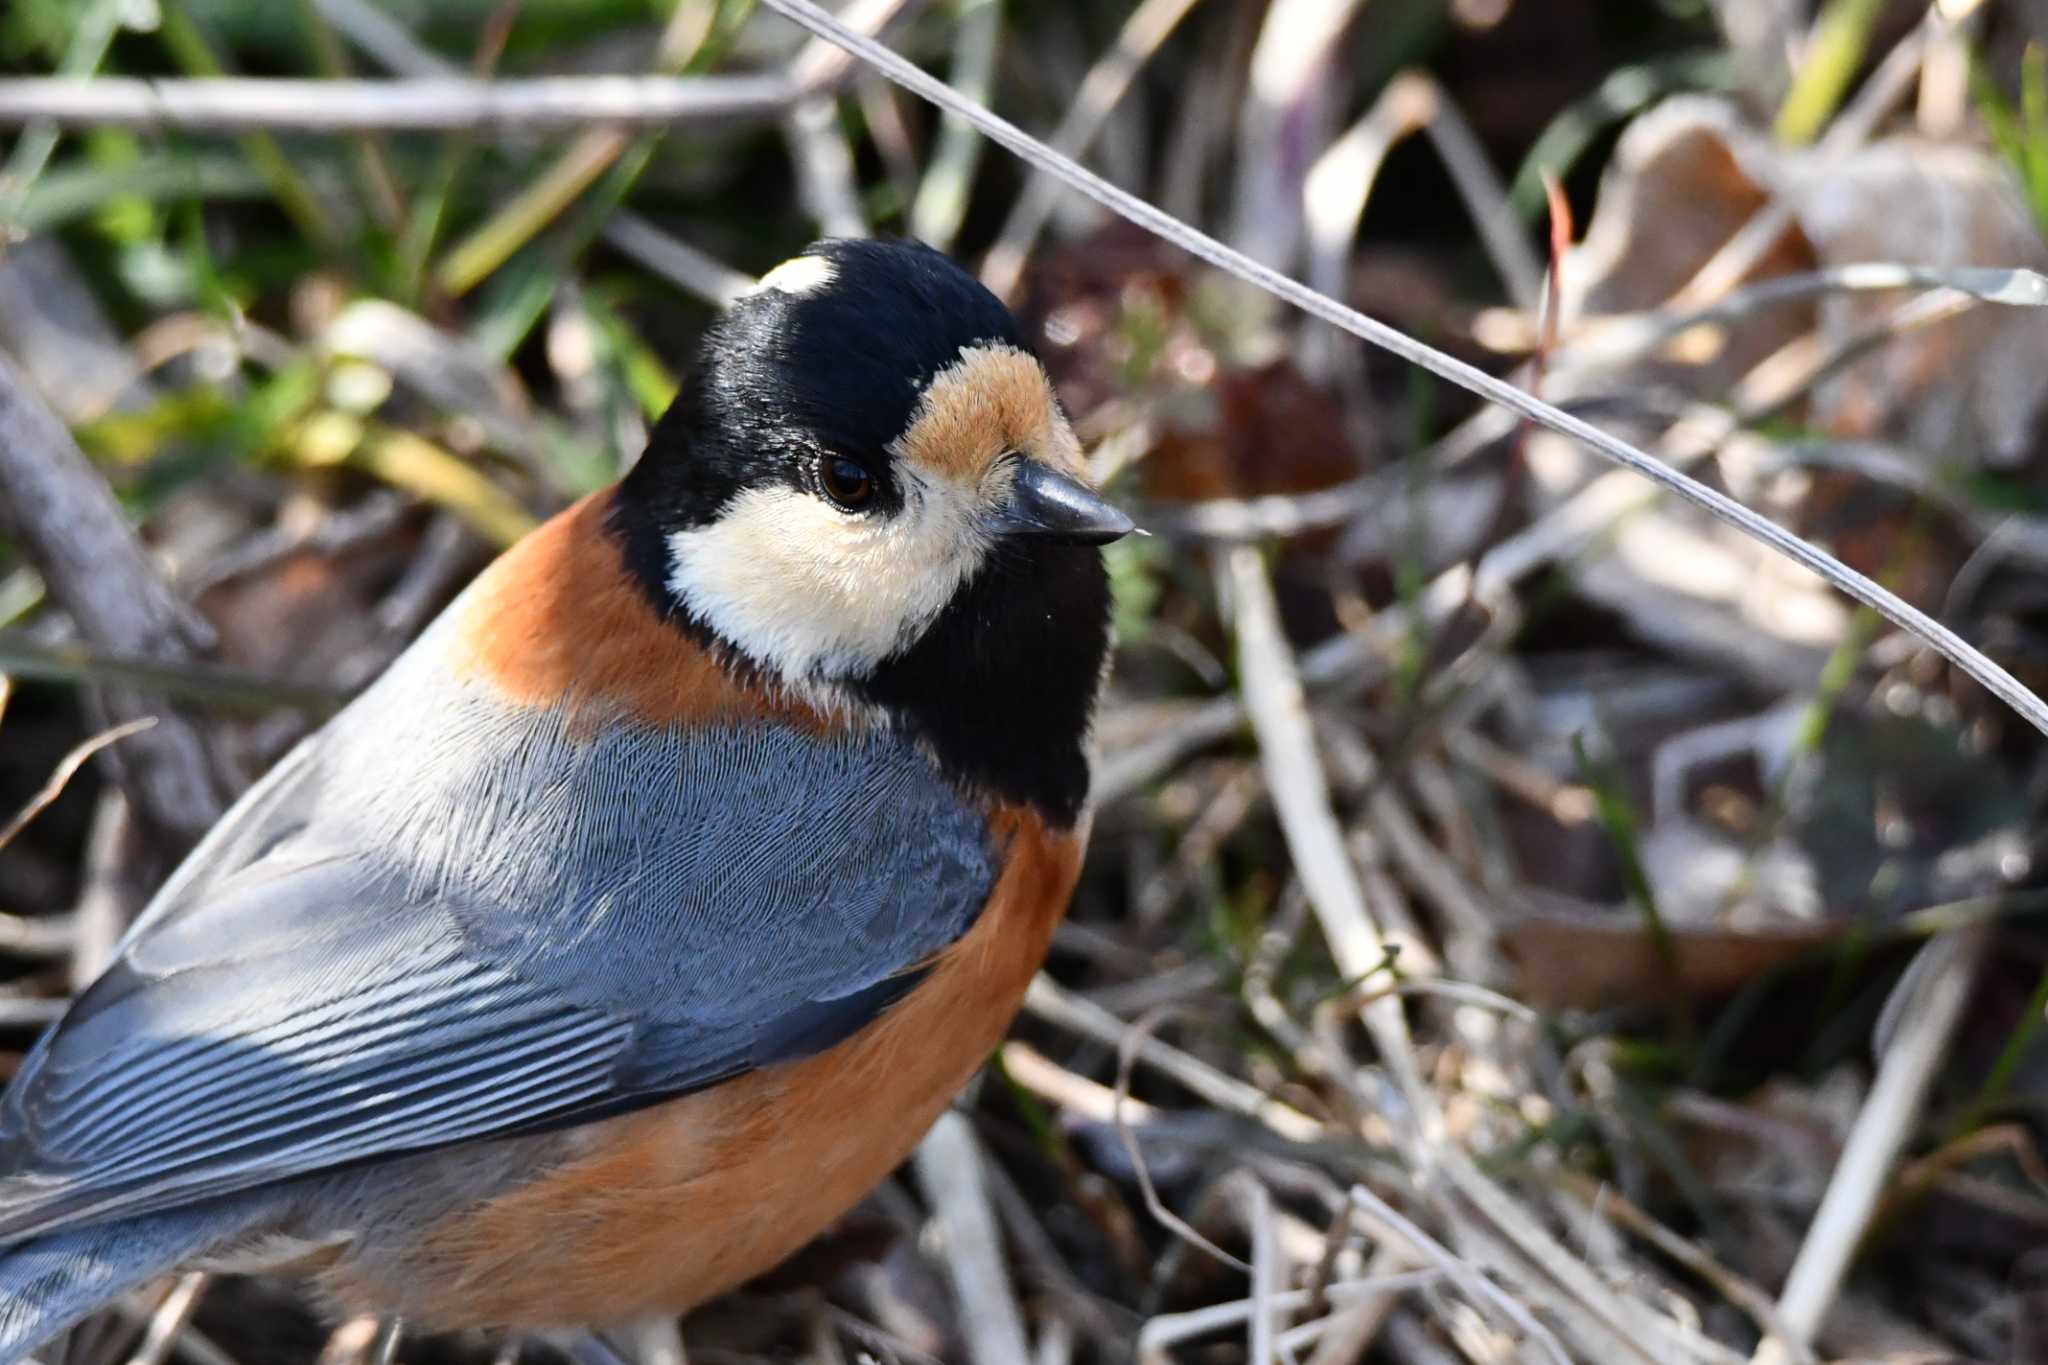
{"points": [[358, 977]]}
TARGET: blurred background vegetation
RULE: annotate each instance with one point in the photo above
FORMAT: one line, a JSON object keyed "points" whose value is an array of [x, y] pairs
{"points": [[1619, 896]]}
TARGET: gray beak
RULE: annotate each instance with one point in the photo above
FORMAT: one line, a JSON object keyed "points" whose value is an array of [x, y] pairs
{"points": [[1049, 505]]}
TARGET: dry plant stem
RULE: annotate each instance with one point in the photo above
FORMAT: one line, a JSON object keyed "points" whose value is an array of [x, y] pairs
{"points": [[1048, 1001], [824, 1343], [1607, 1202], [1055, 1342], [189, 1345], [682, 265], [1459, 993], [384, 1351], [823, 66], [98, 22], [1301, 796], [1972, 661], [24, 658], [1255, 1207], [1046, 1270], [1432, 874], [1611, 342], [61, 514], [1168, 1329], [1349, 1332], [1090, 1099], [657, 1340], [1307, 1050], [941, 203], [117, 882], [1944, 93], [1483, 1293], [1335, 191], [1285, 109], [1486, 199], [1196, 852], [888, 133], [1193, 143], [949, 1170], [1742, 252], [588, 1348], [38, 935], [824, 167], [444, 103], [550, 193], [349, 1340], [65, 771], [1881, 1130], [1604, 346], [1578, 1290], [1101, 89], [1126, 1055], [31, 1013], [383, 38], [169, 1320]]}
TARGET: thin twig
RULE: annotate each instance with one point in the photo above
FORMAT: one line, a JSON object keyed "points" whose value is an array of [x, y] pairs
{"points": [[1100, 90], [1267, 1272], [941, 203], [62, 515], [1881, 1129], [1126, 1055], [93, 34], [1482, 1291], [382, 37], [1604, 1201], [679, 263], [949, 1169], [1285, 115], [422, 104], [824, 167], [1048, 1001], [1965, 656], [1301, 796], [59, 779], [389, 1332], [169, 1320]]}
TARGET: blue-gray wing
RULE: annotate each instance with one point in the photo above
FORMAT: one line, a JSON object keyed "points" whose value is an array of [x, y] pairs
{"points": [[491, 932]]}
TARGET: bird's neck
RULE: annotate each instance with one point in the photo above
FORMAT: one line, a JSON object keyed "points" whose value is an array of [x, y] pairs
{"points": [[1001, 687]]}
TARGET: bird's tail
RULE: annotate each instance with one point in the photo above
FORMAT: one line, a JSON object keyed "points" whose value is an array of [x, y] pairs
{"points": [[49, 1283]]}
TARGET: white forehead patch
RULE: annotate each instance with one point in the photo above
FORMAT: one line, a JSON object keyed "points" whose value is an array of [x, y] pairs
{"points": [[812, 593], [797, 275]]}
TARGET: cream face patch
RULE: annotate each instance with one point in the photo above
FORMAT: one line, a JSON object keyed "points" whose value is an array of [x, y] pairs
{"points": [[812, 592], [816, 593]]}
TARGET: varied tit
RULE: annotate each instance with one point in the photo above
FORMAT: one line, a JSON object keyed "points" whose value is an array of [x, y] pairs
{"points": [[652, 905]]}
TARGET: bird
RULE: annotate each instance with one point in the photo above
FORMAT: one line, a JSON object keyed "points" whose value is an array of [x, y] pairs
{"points": [[651, 905]]}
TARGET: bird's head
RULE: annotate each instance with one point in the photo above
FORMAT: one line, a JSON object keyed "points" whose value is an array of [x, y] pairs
{"points": [[867, 486]]}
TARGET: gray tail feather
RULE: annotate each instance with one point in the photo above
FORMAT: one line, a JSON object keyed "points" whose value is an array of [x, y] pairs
{"points": [[49, 1283]]}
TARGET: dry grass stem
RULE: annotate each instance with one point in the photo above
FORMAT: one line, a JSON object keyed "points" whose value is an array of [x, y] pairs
{"points": [[1906, 1070], [440, 104], [169, 1321], [949, 1170], [61, 778]]}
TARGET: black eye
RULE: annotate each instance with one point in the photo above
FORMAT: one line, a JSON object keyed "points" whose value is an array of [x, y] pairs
{"points": [[846, 482]]}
